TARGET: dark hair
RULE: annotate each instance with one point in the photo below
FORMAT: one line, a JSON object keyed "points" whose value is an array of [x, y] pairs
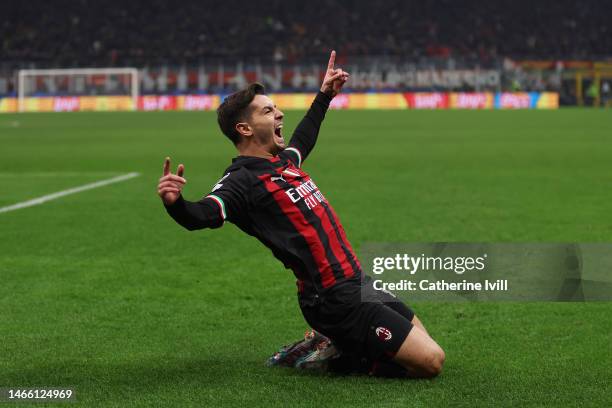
{"points": [[234, 109]]}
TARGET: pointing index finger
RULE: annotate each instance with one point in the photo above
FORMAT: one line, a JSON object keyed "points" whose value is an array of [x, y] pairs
{"points": [[332, 59], [167, 166]]}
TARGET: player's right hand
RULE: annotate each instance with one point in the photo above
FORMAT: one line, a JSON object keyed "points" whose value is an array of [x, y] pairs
{"points": [[170, 185]]}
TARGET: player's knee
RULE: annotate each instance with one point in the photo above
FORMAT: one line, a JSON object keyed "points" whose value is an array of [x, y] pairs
{"points": [[435, 362]]}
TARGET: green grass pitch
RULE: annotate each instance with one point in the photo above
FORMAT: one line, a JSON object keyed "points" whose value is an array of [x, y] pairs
{"points": [[103, 292]]}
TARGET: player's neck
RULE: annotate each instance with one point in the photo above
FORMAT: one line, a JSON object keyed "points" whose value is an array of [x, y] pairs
{"points": [[255, 151]]}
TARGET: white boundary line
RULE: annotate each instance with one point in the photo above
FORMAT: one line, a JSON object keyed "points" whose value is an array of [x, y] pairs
{"points": [[53, 196], [41, 174]]}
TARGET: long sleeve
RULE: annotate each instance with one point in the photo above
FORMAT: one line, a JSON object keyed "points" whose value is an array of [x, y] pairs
{"points": [[307, 131], [205, 213], [228, 200]]}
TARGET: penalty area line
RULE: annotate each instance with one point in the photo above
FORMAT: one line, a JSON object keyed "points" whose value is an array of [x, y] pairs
{"points": [[63, 193]]}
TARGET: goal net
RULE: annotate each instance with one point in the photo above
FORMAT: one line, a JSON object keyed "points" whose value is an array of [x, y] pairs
{"points": [[78, 89]]}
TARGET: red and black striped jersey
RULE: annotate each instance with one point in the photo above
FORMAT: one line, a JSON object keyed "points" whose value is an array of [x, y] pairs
{"points": [[277, 202]]}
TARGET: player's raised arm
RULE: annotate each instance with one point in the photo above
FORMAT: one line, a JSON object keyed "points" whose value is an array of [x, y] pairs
{"points": [[334, 79], [307, 131], [226, 201], [190, 215]]}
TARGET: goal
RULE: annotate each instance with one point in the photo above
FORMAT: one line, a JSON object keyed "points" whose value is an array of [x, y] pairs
{"points": [[87, 88]]}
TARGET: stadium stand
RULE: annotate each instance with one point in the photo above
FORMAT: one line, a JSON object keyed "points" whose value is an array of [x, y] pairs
{"points": [[120, 33]]}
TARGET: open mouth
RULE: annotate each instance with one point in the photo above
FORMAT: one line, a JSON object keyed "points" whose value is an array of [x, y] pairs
{"points": [[278, 135]]}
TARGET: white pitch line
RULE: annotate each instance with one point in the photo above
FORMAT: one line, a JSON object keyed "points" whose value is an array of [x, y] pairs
{"points": [[53, 196], [55, 174]]}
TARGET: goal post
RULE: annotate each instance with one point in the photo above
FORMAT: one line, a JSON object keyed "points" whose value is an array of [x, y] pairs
{"points": [[77, 82]]}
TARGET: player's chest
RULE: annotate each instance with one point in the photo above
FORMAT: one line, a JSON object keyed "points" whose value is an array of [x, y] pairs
{"points": [[291, 188]]}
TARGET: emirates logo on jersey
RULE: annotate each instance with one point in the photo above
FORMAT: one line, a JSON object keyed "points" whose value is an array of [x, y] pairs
{"points": [[383, 333], [307, 191]]}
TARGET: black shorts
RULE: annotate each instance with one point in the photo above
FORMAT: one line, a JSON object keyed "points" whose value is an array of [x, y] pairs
{"points": [[359, 319]]}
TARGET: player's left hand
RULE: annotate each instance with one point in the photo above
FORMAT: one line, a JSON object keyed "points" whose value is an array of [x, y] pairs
{"points": [[334, 79]]}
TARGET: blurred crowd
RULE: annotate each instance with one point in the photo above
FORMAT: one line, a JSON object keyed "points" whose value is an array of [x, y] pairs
{"points": [[140, 33]]}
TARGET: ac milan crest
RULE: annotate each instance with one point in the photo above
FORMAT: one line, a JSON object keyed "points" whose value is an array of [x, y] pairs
{"points": [[383, 333]]}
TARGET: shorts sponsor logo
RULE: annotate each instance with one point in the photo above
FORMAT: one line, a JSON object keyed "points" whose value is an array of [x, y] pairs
{"points": [[383, 333]]}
